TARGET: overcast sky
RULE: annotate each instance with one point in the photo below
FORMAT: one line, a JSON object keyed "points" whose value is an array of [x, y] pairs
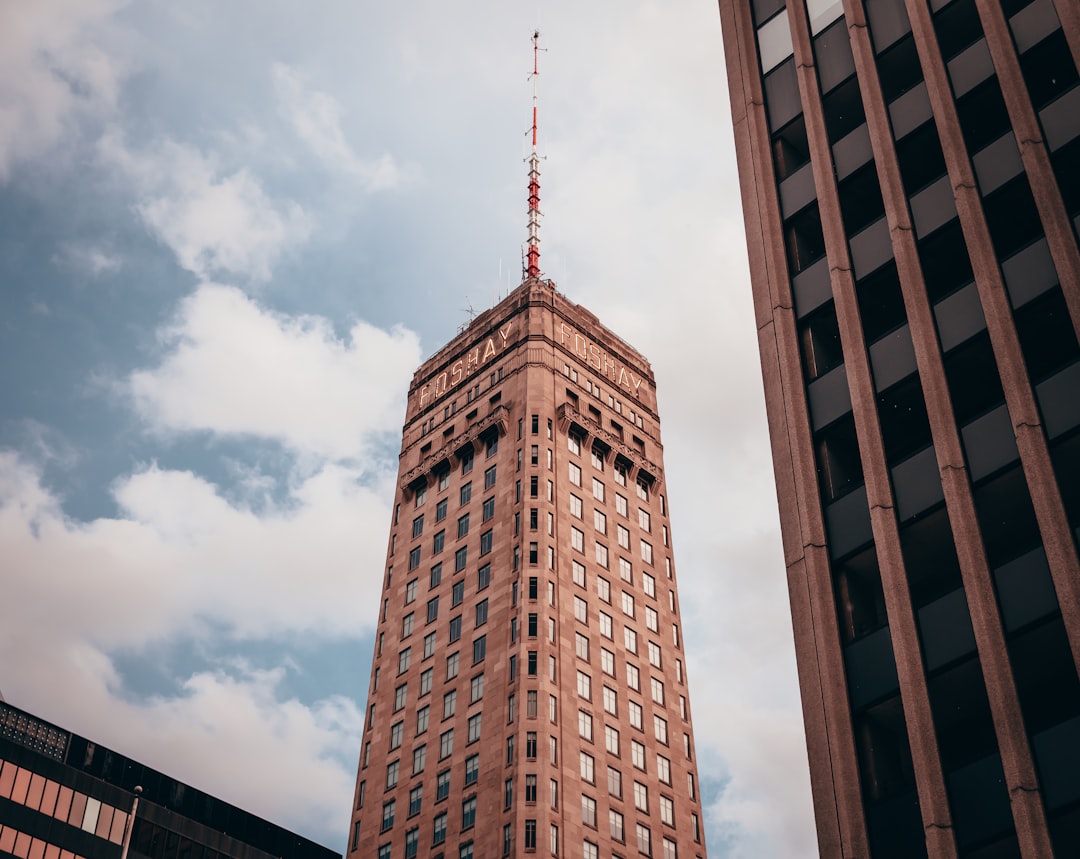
{"points": [[229, 232]]}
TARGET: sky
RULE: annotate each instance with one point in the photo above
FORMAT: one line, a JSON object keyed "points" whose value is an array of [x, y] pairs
{"points": [[229, 233]]}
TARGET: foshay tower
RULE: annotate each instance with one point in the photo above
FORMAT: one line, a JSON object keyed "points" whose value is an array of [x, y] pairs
{"points": [[528, 689], [910, 175]]}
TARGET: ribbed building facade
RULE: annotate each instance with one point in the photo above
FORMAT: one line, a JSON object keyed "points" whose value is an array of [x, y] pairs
{"points": [[528, 687], [910, 175]]}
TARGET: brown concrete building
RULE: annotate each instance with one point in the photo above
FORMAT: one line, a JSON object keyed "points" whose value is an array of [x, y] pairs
{"points": [[528, 688], [910, 174]]}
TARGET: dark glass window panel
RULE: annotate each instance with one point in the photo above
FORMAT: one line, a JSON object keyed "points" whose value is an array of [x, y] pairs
{"points": [[1012, 217], [1046, 335], [945, 262], [905, 427], [957, 27], [839, 465], [860, 602], [884, 755], [819, 337], [804, 238], [888, 21], [881, 303], [972, 375], [1011, 7], [920, 156], [1048, 69], [790, 148], [843, 110], [933, 569], [765, 9], [899, 68], [782, 94], [860, 199], [1006, 517], [832, 52], [983, 115], [1045, 675], [1066, 162], [962, 714], [1066, 458]]}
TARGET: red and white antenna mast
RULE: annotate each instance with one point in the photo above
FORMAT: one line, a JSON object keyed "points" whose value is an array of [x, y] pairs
{"points": [[532, 255]]}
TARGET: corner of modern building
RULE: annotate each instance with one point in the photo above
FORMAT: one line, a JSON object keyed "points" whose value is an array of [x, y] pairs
{"points": [[910, 177], [528, 691]]}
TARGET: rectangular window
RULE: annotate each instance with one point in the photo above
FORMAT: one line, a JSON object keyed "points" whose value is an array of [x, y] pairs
{"points": [[479, 649], [637, 754], [489, 508], [481, 612], [654, 654], [418, 525], [530, 834], [432, 614], [449, 704], [587, 764], [581, 646], [641, 797], [467, 461], [489, 478], [442, 785], [588, 811], [585, 725], [615, 820], [485, 542], [440, 508], [530, 745], [652, 619], [455, 628], [452, 666], [646, 552], [635, 715], [474, 727], [663, 769], [605, 625], [584, 685], [416, 796], [476, 688], [438, 542], [611, 701], [400, 695], [388, 815], [598, 489], [403, 660], [468, 813], [633, 677], [422, 720], [419, 758], [436, 577], [446, 744], [573, 444], [599, 522], [644, 839], [626, 570], [627, 604], [623, 535], [644, 520], [611, 742], [392, 770], [621, 506], [461, 559], [581, 610], [601, 555], [438, 833], [414, 558], [603, 589], [577, 539], [463, 526], [575, 474], [472, 769], [575, 506], [396, 731], [667, 811]]}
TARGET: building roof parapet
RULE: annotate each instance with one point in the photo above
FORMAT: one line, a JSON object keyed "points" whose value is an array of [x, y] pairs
{"points": [[496, 420], [639, 464]]}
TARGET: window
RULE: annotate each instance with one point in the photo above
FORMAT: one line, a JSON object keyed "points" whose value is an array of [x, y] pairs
{"points": [[534, 553], [400, 695], [635, 714], [623, 535], [626, 570], [421, 495], [605, 625], [611, 740], [534, 487], [603, 589], [489, 508], [440, 509], [615, 820], [575, 474], [422, 719], [587, 765], [446, 744], [641, 797], [407, 625], [452, 666], [403, 660], [530, 745], [468, 813], [553, 750], [588, 811], [474, 727], [414, 558], [633, 677], [396, 731], [577, 539], [530, 703], [485, 542], [575, 506], [449, 704], [620, 475], [388, 815], [437, 544], [465, 851], [648, 584], [442, 785], [432, 614], [628, 604], [667, 811], [644, 839], [601, 555], [444, 480], [598, 489], [652, 619], [457, 594], [436, 577], [455, 628], [530, 834], [581, 610], [585, 725], [392, 770], [654, 654], [614, 782], [581, 646], [476, 688], [611, 701], [644, 520], [438, 833], [419, 758], [597, 458], [533, 587], [479, 649], [530, 790], [481, 612], [532, 663], [418, 525], [384, 851], [472, 769], [646, 552], [590, 851], [415, 800], [463, 526], [584, 685], [630, 639], [579, 573], [573, 444], [637, 754], [620, 503], [599, 522], [467, 461], [642, 491], [489, 478], [461, 558]]}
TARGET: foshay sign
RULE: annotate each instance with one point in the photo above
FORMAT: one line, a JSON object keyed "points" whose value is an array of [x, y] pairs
{"points": [[598, 359], [472, 360]]}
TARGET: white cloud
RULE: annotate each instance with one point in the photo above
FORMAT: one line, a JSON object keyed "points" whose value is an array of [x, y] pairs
{"points": [[234, 368], [315, 116], [55, 67], [89, 259], [215, 221]]}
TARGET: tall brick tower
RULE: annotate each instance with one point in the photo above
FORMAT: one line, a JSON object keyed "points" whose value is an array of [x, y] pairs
{"points": [[528, 688], [910, 175]]}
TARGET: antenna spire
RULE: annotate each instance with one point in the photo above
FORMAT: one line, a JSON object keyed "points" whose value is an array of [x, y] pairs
{"points": [[532, 255]]}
